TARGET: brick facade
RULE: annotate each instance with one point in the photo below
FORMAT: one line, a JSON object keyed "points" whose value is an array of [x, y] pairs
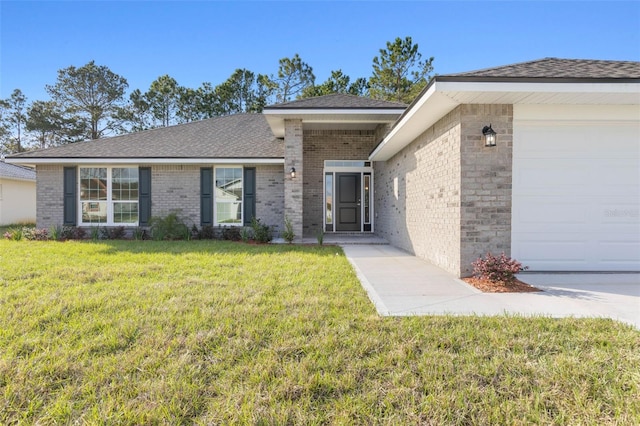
{"points": [[320, 145], [49, 196], [485, 216], [293, 187], [446, 197], [270, 196], [417, 195], [174, 188]]}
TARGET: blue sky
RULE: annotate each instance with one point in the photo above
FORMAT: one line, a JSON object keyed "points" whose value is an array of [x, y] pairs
{"points": [[203, 41]]}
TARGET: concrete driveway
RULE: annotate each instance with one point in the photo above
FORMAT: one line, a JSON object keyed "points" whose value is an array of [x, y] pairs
{"points": [[401, 284]]}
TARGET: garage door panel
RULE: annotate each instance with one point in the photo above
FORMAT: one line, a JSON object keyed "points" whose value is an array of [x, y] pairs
{"points": [[619, 252], [537, 250], [545, 213], [576, 196]]}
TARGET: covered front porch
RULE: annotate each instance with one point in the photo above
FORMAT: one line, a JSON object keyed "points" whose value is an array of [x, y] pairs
{"points": [[329, 181]]}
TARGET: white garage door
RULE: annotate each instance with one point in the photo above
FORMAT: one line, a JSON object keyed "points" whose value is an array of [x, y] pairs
{"points": [[576, 196]]}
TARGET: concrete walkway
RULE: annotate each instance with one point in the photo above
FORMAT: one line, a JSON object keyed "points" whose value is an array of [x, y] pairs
{"points": [[401, 284]]}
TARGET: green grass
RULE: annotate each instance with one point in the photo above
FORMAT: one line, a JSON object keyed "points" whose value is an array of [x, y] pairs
{"points": [[208, 332]]}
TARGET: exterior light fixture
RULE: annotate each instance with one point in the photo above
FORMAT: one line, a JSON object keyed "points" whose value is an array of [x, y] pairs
{"points": [[489, 136], [293, 172]]}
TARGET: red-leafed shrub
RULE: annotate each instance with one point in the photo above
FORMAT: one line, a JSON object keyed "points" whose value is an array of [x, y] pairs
{"points": [[497, 268]]}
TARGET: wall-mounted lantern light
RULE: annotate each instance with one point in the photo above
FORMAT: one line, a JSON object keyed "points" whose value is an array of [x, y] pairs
{"points": [[293, 172], [489, 136]]}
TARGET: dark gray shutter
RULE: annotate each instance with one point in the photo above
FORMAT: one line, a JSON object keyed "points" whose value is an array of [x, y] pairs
{"points": [[144, 196], [70, 199], [249, 194], [206, 196]]}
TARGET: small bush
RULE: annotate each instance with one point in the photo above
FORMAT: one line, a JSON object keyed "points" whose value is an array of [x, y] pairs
{"points": [[497, 268], [140, 234], [14, 234], [95, 233], [35, 234], [231, 233], [245, 234], [55, 232], [73, 233], [261, 232], [112, 233], [169, 227], [320, 237], [206, 233], [288, 233], [28, 233]]}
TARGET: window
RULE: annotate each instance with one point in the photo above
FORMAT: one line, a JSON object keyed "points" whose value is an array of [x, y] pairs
{"points": [[109, 195], [228, 195]]}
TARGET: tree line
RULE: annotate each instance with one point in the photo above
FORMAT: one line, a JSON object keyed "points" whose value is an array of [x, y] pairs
{"points": [[90, 102]]}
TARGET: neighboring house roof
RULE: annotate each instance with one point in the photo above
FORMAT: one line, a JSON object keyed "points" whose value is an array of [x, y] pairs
{"points": [[240, 136], [338, 101], [555, 68], [11, 171], [544, 81]]}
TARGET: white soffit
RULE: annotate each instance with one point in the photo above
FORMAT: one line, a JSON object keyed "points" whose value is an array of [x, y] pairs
{"points": [[276, 117], [442, 97]]}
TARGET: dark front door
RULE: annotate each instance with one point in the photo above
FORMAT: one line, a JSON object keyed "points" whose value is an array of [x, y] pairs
{"points": [[348, 209]]}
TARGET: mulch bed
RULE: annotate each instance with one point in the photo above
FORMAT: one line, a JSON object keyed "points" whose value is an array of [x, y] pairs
{"points": [[500, 287]]}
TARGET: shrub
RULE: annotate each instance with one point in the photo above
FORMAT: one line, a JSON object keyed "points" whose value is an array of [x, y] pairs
{"points": [[497, 268], [231, 233], [169, 227], [288, 233], [245, 235], [55, 232], [35, 234], [320, 237], [261, 232], [140, 234], [14, 234], [206, 233], [112, 233], [72, 233], [95, 233]]}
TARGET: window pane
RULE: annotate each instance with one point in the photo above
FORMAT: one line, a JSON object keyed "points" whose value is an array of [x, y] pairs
{"points": [[124, 184], [93, 183], [367, 201], [229, 184], [228, 213], [94, 211], [228, 195], [125, 212], [328, 190]]}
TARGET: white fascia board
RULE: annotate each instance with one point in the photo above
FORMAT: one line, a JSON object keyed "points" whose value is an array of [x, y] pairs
{"points": [[532, 87], [34, 161], [428, 109]]}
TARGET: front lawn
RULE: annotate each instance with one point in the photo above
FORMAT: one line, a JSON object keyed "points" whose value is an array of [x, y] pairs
{"points": [[210, 332]]}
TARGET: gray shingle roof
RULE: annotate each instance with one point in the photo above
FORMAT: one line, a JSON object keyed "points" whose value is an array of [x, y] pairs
{"points": [[233, 136], [12, 171], [338, 101], [552, 68]]}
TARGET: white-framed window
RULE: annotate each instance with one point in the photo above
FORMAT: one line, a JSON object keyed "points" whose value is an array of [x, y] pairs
{"points": [[108, 195], [228, 195]]}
